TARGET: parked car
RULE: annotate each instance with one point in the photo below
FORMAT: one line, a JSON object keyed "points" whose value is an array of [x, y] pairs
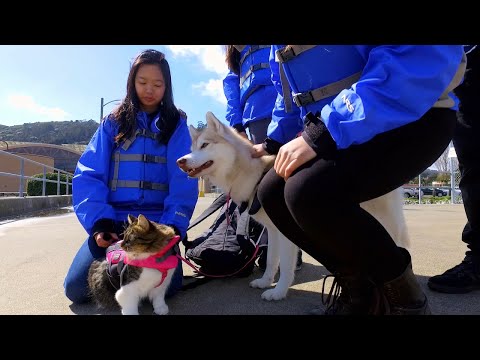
{"points": [[410, 192], [438, 192]]}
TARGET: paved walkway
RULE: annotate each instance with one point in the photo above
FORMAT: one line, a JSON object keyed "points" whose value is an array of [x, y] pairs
{"points": [[37, 252]]}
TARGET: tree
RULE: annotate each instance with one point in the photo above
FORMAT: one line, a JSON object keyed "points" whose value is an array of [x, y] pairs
{"points": [[442, 162], [443, 177], [201, 125]]}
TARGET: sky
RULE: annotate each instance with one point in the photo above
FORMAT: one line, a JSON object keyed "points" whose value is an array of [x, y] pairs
{"points": [[40, 83]]}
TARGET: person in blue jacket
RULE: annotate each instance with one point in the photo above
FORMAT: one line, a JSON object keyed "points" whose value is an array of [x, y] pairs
{"points": [[251, 97], [129, 167], [366, 110], [465, 277], [249, 90]]}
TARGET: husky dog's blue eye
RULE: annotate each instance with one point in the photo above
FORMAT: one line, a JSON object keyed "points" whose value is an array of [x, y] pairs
{"points": [[203, 145]]}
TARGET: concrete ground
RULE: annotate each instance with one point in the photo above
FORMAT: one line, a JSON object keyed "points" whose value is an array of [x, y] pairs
{"points": [[36, 253]]}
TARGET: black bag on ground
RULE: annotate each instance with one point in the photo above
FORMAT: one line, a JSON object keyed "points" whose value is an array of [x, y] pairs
{"points": [[227, 247]]}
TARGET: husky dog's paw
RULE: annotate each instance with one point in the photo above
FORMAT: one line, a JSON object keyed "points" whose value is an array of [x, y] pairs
{"points": [[274, 294], [160, 309], [261, 283]]}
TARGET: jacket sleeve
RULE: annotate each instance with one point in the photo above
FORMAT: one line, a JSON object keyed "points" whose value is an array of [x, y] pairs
{"points": [[283, 126], [398, 85], [231, 89], [183, 191], [90, 181]]}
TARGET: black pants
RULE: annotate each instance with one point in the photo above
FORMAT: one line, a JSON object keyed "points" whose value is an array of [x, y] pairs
{"points": [[318, 206], [258, 130], [467, 146]]}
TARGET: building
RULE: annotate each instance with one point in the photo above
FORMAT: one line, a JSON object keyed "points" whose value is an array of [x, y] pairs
{"points": [[62, 157]]}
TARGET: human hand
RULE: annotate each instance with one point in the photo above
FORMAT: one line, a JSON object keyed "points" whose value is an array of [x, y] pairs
{"points": [[105, 239], [292, 155], [258, 151]]}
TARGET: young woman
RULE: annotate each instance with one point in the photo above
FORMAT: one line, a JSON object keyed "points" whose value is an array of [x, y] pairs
{"points": [[251, 98], [465, 277], [374, 117], [129, 167]]}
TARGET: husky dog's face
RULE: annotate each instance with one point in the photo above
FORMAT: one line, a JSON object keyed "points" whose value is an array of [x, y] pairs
{"points": [[212, 152]]}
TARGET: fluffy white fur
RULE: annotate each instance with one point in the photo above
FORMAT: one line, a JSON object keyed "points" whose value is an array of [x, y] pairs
{"points": [[129, 296], [221, 155]]}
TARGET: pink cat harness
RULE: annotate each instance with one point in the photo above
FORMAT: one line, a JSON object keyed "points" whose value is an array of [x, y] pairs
{"points": [[163, 261]]}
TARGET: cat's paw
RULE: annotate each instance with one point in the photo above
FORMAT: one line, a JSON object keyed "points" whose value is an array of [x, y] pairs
{"points": [[160, 309], [274, 294], [261, 283], [129, 312]]}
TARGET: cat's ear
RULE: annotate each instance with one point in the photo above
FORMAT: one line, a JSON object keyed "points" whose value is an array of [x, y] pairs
{"points": [[143, 222], [131, 219]]}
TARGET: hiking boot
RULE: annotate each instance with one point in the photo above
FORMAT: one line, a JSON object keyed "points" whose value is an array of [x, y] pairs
{"points": [[352, 295], [403, 295], [299, 261], [460, 279]]}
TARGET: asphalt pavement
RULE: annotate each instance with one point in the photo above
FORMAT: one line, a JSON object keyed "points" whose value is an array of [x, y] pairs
{"points": [[36, 253]]}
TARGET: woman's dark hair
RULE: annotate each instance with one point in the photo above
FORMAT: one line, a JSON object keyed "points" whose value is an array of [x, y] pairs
{"points": [[126, 113], [232, 58]]}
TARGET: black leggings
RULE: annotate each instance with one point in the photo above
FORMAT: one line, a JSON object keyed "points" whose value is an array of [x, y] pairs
{"points": [[318, 208], [467, 146]]}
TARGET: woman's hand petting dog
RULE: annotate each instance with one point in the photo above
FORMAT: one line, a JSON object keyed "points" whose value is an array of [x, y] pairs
{"points": [[292, 155], [258, 151]]}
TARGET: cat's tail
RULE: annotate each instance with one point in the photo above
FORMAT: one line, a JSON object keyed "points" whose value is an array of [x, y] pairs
{"points": [[101, 289]]}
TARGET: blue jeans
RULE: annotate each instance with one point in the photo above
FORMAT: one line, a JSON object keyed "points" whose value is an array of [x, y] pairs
{"points": [[76, 281]]}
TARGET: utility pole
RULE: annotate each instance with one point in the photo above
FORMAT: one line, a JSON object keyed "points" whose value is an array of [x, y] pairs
{"points": [[103, 104]]}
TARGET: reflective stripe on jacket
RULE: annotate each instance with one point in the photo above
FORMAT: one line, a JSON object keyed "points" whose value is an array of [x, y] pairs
{"points": [[95, 198]]}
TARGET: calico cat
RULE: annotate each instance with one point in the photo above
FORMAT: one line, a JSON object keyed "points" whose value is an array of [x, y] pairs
{"points": [[147, 248]]}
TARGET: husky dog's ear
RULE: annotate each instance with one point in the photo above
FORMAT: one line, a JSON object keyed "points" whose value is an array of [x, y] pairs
{"points": [[143, 222], [193, 132], [131, 219], [213, 123]]}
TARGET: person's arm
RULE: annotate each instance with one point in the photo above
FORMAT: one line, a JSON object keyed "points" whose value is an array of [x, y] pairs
{"points": [[398, 85], [90, 182], [284, 125], [231, 89], [183, 191]]}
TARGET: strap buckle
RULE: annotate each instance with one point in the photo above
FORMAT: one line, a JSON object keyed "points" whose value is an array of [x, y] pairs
{"points": [[303, 99]]}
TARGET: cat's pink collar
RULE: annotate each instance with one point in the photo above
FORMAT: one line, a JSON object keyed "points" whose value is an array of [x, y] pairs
{"points": [[155, 262]]}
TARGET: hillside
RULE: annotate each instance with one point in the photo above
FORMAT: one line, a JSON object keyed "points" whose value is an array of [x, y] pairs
{"points": [[52, 132]]}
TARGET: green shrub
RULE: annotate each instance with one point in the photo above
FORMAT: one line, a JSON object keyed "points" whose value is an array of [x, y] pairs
{"points": [[34, 187], [428, 200]]}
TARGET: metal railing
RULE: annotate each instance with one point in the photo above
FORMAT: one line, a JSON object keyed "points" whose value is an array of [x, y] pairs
{"points": [[44, 179]]}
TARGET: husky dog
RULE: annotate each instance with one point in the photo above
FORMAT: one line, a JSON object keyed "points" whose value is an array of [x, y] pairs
{"points": [[222, 156]]}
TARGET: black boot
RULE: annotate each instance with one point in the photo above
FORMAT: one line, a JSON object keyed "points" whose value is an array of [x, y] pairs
{"points": [[460, 279], [403, 295], [350, 295]]}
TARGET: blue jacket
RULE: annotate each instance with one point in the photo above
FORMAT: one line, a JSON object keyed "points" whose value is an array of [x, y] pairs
{"points": [[250, 96], [396, 85], [95, 198]]}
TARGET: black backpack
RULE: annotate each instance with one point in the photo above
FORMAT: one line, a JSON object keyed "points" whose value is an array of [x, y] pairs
{"points": [[229, 247]]}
